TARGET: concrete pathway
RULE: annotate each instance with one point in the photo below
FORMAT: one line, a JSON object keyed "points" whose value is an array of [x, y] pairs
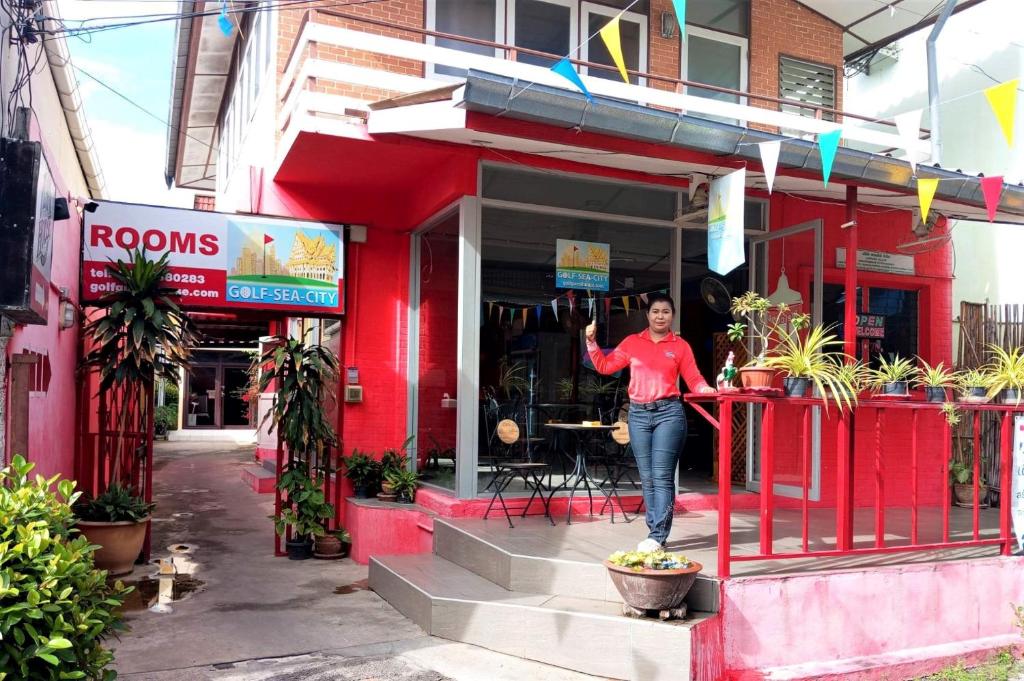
{"points": [[240, 613]]}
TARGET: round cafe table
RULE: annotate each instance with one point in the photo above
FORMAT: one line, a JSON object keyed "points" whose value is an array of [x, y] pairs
{"points": [[583, 437]]}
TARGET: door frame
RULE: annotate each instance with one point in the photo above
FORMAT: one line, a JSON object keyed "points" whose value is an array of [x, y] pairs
{"points": [[218, 410], [817, 226]]}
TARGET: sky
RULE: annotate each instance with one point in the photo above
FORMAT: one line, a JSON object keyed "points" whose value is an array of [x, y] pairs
{"points": [[136, 62]]}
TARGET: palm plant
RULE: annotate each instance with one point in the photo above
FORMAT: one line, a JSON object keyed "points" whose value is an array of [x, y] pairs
{"points": [[142, 336], [1005, 373], [809, 357], [893, 374]]}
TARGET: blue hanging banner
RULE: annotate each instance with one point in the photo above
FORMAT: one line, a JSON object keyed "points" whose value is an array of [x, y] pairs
{"points": [[725, 222], [565, 69], [828, 143]]}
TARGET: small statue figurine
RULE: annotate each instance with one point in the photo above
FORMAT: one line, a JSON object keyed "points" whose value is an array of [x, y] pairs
{"points": [[727, 374]]}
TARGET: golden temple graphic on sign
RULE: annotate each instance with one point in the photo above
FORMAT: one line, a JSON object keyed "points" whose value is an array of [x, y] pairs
{"points": [[312, 258]]}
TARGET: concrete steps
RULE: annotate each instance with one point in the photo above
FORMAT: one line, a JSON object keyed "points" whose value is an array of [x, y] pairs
{"points": [[259, 479], [516, 570], [585, 635], [552, 610]]}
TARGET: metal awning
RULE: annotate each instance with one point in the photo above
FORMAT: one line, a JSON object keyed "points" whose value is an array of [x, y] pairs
{"points": [[870, 24]]}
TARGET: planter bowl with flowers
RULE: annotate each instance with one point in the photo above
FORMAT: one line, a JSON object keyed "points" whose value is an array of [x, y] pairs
{"points": [[652, 581], [763, 325]]}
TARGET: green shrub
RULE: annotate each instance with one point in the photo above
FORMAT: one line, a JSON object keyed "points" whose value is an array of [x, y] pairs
{"points": [[165, 418], [171, 395], [55, 609]]}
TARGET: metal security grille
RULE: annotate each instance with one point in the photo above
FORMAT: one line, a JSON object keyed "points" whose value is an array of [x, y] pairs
{"points": [[808, 83]]}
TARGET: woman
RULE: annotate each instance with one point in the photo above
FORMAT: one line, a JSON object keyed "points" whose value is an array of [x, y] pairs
{"points": [[656, 358]]}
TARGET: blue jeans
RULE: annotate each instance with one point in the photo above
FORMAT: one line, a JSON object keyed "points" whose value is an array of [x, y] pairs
{"points": [[656, 437]]}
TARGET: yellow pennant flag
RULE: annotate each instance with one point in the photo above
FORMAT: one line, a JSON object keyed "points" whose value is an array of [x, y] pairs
{"points": [[625, 304], [926, 187], [612, 40], [1003, 100]]}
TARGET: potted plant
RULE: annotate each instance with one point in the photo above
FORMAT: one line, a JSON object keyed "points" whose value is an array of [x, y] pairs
{"points": [[404, 482], [893, 375], [141, 336], [972, 385], [1006, 374], [391, 462], [303, 377], [364, 471], [806, 360], [935, 380], [962, 475], [304, 509], [762, 322], [851, 379], [651, 580], [333, 544]]}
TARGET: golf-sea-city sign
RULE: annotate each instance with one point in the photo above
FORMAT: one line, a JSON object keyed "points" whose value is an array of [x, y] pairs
{"points": [[221, 260]]}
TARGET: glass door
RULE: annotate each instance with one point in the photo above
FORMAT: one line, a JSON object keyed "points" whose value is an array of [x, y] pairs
{"points": [[202, 407], [768, 276]]}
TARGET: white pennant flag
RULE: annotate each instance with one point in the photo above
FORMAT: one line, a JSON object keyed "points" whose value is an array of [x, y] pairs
{"points": [[908, 124], [554, 307], [590, 304], [770, 159]]}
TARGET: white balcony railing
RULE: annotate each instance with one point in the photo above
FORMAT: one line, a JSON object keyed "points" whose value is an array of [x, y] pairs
{"points": [[299, 103]]}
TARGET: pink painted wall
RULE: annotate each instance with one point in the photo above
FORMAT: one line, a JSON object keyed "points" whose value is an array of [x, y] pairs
{"points": [[838, 615], [52, 408], [387, 531]]}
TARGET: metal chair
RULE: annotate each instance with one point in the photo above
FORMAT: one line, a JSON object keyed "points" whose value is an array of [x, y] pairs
{"points": [[620, 465], [508, 470]]}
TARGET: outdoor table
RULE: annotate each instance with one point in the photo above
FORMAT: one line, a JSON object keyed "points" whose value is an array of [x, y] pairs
{"points": [[583, 436]]}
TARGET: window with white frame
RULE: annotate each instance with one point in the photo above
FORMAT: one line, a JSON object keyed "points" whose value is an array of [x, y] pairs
{"points": [[479, 19], [715, 58], [251, 70], [550, 26], [632, 36]]}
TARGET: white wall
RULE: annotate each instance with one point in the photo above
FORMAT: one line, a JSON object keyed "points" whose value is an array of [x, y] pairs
{"points": [[986, 38]]}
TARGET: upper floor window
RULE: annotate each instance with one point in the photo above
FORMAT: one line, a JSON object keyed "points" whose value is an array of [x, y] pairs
{"points": [[727, 16], [544, 26], [479, 19], [250, 69], [632, 35]]}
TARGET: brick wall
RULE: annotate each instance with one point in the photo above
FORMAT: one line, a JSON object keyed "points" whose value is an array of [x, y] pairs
{"points": [[782, 27]]}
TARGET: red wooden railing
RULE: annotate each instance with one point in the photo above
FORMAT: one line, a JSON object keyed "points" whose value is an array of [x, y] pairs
{"points": [[882, 446]]}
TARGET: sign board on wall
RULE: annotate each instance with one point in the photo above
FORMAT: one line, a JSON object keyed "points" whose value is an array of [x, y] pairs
{"points": [[582, 265], [1017, 486], [878, 261], [221, 260], [870, 326]]}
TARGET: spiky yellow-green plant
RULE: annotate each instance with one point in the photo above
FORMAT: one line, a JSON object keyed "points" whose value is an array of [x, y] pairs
{"points": [[812, 356], [938, 376], [1005, 371]]}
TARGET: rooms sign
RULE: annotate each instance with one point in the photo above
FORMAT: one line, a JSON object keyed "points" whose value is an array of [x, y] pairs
{"points": [[221, 260]]}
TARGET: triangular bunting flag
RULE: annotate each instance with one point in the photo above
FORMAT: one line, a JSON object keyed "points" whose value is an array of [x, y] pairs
{"points": [[643, 297], [590, 308], [992, 187], [501, 311], [926, 187], [538, 311], [607, 308], [769, 160], [224, 23], [490, 310], [554, 308], [565, 69], [828, 142], [909, 124], [680, 7], [511, 315], [613, 41], [625, 304], [524, 317], [572, 300], [1003, 100]]}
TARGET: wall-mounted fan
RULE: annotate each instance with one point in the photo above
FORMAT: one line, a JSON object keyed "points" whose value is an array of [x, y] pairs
{"points": [[715, 295]]}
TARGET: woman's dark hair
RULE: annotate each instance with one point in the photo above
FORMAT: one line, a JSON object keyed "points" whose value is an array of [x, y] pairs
{"points": [[653, 298]]}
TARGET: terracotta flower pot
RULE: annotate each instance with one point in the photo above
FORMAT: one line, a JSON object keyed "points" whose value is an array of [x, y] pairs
{"points": [[756, 377], [121, 543], [653, 589], [327, 546], [964, 493]]}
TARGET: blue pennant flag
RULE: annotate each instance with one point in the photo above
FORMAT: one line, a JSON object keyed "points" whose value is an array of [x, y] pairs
{"points": [[224, 23], [680, 7], [565, 69], [828, 143]]}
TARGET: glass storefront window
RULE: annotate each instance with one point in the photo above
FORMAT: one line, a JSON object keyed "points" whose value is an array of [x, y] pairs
{"points": [[888, 324]]}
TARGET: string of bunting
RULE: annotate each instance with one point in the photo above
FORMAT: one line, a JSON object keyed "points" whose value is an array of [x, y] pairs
{"points": [[1002, 99], [628, 303]]}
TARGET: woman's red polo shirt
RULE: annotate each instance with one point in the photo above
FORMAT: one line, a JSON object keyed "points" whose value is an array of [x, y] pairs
{"points": [[654, 366]]}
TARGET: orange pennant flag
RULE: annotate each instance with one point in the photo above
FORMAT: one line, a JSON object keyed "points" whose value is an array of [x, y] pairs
{"points": [[625, 303], [1003, 100], [926, 187]]}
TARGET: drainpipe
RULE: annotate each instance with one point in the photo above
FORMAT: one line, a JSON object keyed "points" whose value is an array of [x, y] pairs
{"points": [[933, 80], [6, 331]]}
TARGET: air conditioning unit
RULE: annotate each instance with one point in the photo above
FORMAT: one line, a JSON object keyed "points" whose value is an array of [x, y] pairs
{"points": [[26, 231]]}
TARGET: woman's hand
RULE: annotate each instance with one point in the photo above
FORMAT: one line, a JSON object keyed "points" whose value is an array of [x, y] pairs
{"points": [[591, 331], [706, 390]]}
